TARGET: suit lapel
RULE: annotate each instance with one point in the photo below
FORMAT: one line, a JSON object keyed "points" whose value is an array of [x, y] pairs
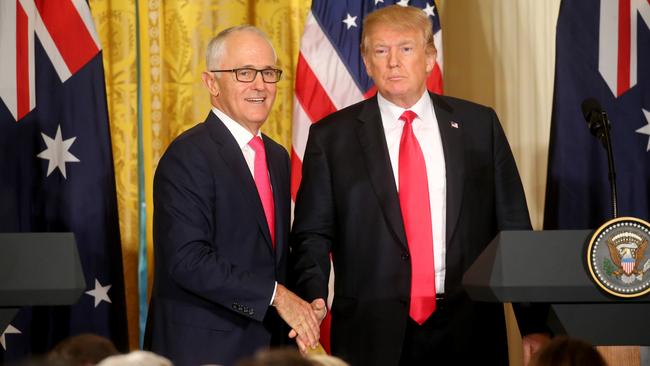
{"points": [[373, 143], [232, 155], [451, 134]]}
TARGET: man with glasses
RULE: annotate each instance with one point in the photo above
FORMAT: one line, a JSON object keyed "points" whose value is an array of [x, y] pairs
{"points": [[221, 220]]}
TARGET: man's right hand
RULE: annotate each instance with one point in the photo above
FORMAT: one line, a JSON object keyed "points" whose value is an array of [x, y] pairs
{"points": [[299, 315]]}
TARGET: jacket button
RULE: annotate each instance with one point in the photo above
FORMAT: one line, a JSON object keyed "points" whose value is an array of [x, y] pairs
{"points": [[405, 256]]}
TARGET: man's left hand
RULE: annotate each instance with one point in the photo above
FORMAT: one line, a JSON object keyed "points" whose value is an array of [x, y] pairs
{"points": [[320, 309]]}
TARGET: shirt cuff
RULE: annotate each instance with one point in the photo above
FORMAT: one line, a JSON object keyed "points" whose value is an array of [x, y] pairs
{"points": [[275, 287]]}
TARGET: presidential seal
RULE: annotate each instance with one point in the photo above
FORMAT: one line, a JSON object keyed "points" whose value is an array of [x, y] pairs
{"points": [[618, 257]]}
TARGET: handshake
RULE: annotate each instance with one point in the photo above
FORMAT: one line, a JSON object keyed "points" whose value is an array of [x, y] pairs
{"points": [[303, 318]]}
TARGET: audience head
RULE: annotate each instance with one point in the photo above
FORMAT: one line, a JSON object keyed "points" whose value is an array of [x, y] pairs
{"points": [[276, 357], [565, 351], [83, 349], [289, 357], [136, 358], [326, 360]]}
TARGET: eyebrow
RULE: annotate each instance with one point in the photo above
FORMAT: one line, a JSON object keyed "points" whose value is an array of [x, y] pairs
{"points": [[403, 43], [263, 67]]}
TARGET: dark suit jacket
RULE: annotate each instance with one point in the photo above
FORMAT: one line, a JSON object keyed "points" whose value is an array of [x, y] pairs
{"points": [[214, 263], [348, 204]]}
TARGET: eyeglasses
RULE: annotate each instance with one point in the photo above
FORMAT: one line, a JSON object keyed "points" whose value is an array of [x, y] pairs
{"points": [[248, 74]]}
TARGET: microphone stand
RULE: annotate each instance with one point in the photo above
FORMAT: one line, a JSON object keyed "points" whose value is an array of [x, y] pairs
{"points": [[610, 163]]}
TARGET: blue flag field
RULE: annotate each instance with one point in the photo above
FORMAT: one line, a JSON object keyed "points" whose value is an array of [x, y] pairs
{"points": [[56, 167]]}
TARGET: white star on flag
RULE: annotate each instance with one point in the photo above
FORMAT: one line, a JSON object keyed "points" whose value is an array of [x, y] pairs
{"points": [[403, 3], [428, 10], [646, 129], [57, 152], [350, 21], [378, 1], [10, 330], [99, 293]]}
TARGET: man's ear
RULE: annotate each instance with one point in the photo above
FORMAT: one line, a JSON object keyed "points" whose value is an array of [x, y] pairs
{"points": [[430, 55], [210, 83], [365, 64]]}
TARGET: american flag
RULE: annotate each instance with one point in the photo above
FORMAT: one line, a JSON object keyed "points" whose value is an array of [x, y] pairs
{"points": [[330, 74], [56, 167]]}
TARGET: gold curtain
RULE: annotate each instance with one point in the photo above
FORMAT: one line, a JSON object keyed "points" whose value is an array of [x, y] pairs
{"points": [[171, 37]]}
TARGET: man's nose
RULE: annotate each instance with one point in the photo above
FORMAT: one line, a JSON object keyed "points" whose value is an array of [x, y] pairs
{"points": [[393, 58], [258, 81]]}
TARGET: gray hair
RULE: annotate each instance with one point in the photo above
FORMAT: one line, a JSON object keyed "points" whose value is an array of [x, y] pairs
{"points": [[136, 358], [215, 50]]}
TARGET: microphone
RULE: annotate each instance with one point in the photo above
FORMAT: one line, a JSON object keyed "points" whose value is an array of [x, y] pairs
{"points": [[600, 126], [596, 119]]}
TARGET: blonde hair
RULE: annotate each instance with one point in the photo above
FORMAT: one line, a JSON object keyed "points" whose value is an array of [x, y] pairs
{"points": [[400, 18]]}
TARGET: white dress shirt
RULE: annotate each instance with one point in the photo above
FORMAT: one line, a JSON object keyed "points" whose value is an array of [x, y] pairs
{"points": [[425, 128]]}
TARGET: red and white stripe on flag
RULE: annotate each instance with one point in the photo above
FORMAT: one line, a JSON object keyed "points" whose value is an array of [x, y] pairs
{"points": [[66, 32], [324, 85]]}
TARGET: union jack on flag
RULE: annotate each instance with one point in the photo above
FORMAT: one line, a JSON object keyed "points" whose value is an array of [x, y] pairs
{"points": [[66, 31], [330, 74], [56, 165]]}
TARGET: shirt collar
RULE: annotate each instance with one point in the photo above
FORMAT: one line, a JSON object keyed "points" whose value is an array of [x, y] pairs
{"points": [[394, 111], [241, 135]]}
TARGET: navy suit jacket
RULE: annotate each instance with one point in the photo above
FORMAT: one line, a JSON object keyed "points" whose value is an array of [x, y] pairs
{"points": [[348, 204], [215, 265]]}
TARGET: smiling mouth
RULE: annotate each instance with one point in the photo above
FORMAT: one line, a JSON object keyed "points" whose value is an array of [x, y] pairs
{"points": [[257, 100]]}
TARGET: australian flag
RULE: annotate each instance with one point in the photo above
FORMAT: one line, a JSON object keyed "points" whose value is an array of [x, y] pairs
{"points": [[603, 52], [56, 168]]}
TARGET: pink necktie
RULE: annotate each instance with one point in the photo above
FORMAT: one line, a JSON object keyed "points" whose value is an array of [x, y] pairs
{"points": [[261, 175], [416, 214]]}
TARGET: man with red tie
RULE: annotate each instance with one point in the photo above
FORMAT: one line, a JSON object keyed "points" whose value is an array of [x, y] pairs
{"points": [[221, 220], [405, 190]]}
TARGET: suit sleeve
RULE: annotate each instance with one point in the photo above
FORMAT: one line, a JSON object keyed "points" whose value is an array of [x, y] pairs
{"points": [[184, 204], [510, 199], [314, 223], [512, 214]]}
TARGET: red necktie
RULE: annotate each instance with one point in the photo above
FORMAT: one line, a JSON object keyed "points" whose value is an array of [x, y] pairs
{"points": [[261, 175], [416, 214]]}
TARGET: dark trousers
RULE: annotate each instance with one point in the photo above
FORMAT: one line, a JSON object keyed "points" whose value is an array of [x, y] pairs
{"points": [[454, 336], [429, 343]]}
